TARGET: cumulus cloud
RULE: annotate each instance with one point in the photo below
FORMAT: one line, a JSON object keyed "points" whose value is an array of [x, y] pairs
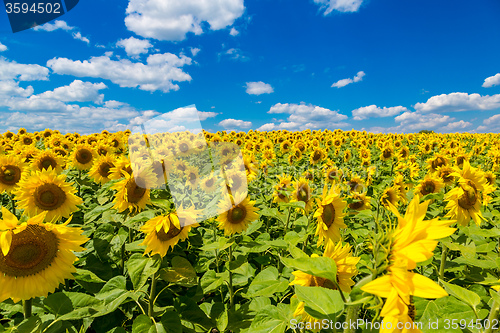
{"points": [[456, 126], [3, 47], [158, 73], [344, 82], [234, 54], [56, 25], [78, 35], [172, 19], [489, 81], [62, 25], [416, 121], [23, 72], [343, 6], [77, 91], [234, 32], [490, 125], [258, 88], [134, 46], [194, 51], [11, 89], [373, 111], [305, 116], [459, 101], [232, 123]]}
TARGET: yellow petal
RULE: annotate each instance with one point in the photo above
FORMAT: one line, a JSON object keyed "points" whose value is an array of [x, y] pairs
{"points": [[5, 241], [9, 220], [175, 220], [381, 287], [425, 287]]}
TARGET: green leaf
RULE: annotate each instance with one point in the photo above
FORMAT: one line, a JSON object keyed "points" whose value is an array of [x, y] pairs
{"points": [[142, 324], [114, 293], [191, 312], [71, 305], [171, 322], [181, 273], [271, 319], [87, 276], [495, 295], [324, 267], [266, 283], [221, 244], [140, 268], [320, 302], [295, 204], [222, 321], [30, 325], [211, 281], [467, 296]]}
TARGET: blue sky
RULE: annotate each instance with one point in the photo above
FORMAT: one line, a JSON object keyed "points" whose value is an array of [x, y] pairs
{"points": [[375, 65]]}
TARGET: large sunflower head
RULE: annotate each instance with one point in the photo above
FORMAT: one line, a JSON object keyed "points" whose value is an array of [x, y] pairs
{"points": [[133, 191], [360, 201], [391, 196], [330, 216], [100, 171], [46, 191], [438, 160], [236, 213], [446, 174], [428, 185], [12, 169], [281, 189], [164, 232], [35, 257], [122, 167], [317, 155], [464, 203], [48, 159], [302, 192], [83, 156]]}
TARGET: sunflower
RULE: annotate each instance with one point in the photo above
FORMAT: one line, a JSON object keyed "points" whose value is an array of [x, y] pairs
{"points": [[333, 174], [164, 232], [11, 171], [445, 173], [387, 153], [48, 159], [302, 192], [251, 167], [360, 201], [317, 156], [438, 160], [236, 182], [101, 169], [122, 166], [235, 214], [356, 184], [330, 216], [412, 241], [464, 203], [35, 257], [281, 194], [346, 270], [47, 191], [192, 176], [82, 156], [133, 191], [208, 183], [428, 185], [391, 196]]}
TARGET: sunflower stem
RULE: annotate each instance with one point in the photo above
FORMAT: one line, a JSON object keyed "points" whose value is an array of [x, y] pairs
{"points": [[494, 312], [231, 292], [27, 304], [11, 196], [152, 295], [443, 262], [351, 316]]}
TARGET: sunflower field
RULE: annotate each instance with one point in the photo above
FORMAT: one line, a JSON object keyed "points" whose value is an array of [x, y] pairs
{"points": [[308, 231]]}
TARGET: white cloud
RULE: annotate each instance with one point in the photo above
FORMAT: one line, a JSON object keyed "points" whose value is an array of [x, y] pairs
{"points": [[158, 73], [134, 46], [258, 88], [194, 51], [172, 19], [339, 5], [492, 81], [234, 54], [344, 82], [77, 91], [61, 25], [3, 47], [12, 70], [234, 32], [416, 121], [306, 116], [456, 102], [231, 123], [373, 111], [267, 127], [11, 89], [458, 125], [58, 24], [78, 35]]}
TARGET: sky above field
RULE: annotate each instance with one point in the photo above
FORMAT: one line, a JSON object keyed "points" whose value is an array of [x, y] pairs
{"points": [[375, 65]]}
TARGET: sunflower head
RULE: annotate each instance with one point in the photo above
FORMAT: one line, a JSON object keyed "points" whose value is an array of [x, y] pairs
{"points": [[35, 257], [83, 156], [100, 171], [12, 169], [48, 159], [330, 215], [236, 213]]}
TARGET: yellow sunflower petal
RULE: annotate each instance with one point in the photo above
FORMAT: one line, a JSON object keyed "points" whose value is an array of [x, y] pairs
{"points": [[425, 287], [5, 241]]}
